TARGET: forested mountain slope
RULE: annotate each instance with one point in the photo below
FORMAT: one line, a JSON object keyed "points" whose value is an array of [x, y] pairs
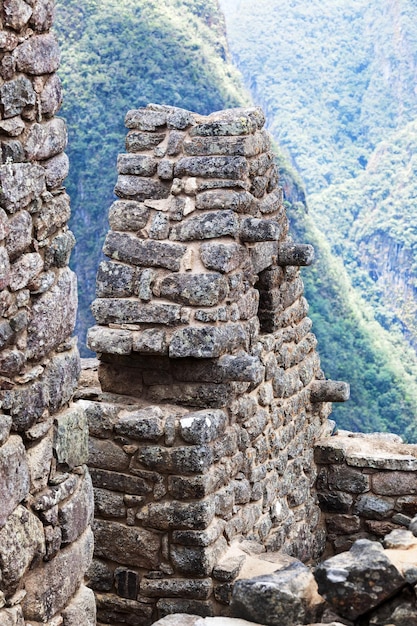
{"points": [[337, 79], [123, 54]]}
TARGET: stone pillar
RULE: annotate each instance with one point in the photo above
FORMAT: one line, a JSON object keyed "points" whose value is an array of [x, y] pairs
{"points": [[45, 490], [205, 430]]}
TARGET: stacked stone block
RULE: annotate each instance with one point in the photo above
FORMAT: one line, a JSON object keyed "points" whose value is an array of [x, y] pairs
{"points": [[201, 320], [45, 490], [367, 486]]}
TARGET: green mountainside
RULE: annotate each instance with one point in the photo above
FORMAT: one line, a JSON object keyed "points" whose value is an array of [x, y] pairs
{"points": [[119, 55], [337, 80]]}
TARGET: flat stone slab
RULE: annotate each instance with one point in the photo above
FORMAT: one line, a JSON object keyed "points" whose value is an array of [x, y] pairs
{"points": [[373, 450]]}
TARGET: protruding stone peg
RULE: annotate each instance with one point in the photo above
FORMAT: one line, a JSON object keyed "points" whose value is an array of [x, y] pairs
{"points": [[253, 229], [298, 254], [329, 391]]}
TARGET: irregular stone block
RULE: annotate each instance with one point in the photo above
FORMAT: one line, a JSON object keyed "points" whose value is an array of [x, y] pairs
{"points": [[139, 188], [222, 257], [26, 404], [151, 341], [124, 247], [136, 141], [121, 311], [71, 437], [107, 503], [56, 170], [21, 540], [76, 513], [25, 269], [214, 395], [394, 483], [51, 95], [61, 378], [122, 610], [136, 164], [199, 589], [202, 426], [253, 229], [194, 289], [114, 280], [212, 167], [206, 341], [247, 146], [239, 201], [347, 479], [167, 606], [123, 483], [12, 616], [40, 459], [59, 252], [145, 425], [181, 459], [46, 140], [108, 340], [53, 316], [145, 119], [14, 476], [20, 183], [107, 455], [16, 13], [61, 577], [288, 596], [207, 226], [232, 122], [374, 507], [54, 214], [178, 515], [127, 545], [16, 94], [81, 609], [297, 254], [355, 582], [38, 55], [329, 391], [197, 560]]}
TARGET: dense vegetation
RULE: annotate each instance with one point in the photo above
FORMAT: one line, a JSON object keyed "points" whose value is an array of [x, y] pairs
{"points": [[337, 78], [123, 54]]}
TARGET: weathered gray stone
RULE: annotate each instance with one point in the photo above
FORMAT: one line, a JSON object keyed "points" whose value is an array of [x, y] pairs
{"points": [[394, 483], [61, 378], [114, 280], [111, 341], [16, 13], [239, 201], [253, 229], [12, 151], [177, 588], [51, 96], [56, 170], [212, 167], [231, 122], [54, 214], [126, 545], [12, 616], [125, 247], [117, 481], [136, 164], [22, 540], [248, 146], [38, 55], [297, 254], [121, 311], [355, 582], [374, 507], [20, 183], [197, 560], [53, 316], [25, 269], [14, 474], [194, 289], [17, 94], [329, 391], [151, 341], [203, 426], [140, 188], [136, 141], [222, 257], [81, 609], [39, 458], [286, 597], [12, 127], [145, 119], [46, 140], [71, 437], [145, 424], [347, 479], [178, 515], [76, 513], [206, 341], [61, 577], [207, 226]]}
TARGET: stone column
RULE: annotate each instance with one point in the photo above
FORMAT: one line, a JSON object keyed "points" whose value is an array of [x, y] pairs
{"points": [[204, 433], [45, 490]]}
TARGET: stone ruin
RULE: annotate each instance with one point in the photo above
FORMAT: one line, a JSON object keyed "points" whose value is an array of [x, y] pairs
{"points": [[46, 499], [209, 430]]}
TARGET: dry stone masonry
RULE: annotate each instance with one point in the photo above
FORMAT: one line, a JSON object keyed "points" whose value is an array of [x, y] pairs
{"points": [[45, 491], [212, 394]]}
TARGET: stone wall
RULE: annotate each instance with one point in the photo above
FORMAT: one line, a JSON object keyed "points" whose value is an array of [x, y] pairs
{"points": [[212, 394], [45, 490], [367, 486]]}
